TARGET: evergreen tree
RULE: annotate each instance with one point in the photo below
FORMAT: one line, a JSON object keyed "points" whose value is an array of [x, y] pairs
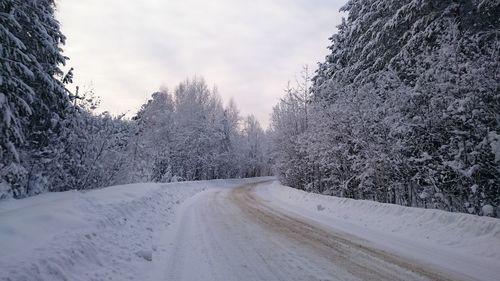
{"points": [[404, 108], [32, 100]]}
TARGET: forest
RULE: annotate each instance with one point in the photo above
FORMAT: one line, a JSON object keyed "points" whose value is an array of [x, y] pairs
{"points": [[52, 139], [403, 110]]}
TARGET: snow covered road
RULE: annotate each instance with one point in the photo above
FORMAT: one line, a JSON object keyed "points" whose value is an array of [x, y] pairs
{"points": [[104, 234], [233, 234], [241, 229]]}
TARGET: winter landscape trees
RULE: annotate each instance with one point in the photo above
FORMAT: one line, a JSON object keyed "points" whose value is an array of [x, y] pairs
{"points": [[51, 139], [191, 135], [404, 110]]}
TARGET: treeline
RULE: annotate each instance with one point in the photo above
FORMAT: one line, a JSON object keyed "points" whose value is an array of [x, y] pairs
{"points": [[51, 139], [405, 108], [190, 135]]}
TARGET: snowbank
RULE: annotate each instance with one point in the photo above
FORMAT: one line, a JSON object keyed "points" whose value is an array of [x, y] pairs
{"points": [[96, 235], [451, 239]]}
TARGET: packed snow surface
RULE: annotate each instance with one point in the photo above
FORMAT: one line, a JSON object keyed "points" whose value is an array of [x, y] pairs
{"points": [[466, 243], [105, 234], [249, 229]]}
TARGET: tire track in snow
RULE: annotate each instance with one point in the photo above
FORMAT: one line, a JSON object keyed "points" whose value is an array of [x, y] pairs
{"points": [[354, 255], [232, 234]]}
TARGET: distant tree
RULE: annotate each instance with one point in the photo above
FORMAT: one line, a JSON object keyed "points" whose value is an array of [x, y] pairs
{"points": [[151, 142], [52, 139], [251, 149], [192, 136]]}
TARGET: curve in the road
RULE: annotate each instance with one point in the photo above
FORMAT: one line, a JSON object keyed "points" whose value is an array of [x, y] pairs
{"points": [[232, 234]]}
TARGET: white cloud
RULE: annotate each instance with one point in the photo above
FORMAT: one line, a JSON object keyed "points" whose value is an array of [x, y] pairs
{"points": [[250, 49]]}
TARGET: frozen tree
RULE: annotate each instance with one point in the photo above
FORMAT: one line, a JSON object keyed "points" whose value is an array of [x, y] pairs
{"points": [[151, 141], [89, 150], [192, 136], [32, 100], [251, 149], [229, 131], [198, 110], [52, 139], [404, 109], [289, 122]]}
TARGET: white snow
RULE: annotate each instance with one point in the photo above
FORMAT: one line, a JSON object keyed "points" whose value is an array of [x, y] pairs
{"points": [[494, 139], [145, 254], [96, 235], [487, 210], [465, 243], [123, 232]]}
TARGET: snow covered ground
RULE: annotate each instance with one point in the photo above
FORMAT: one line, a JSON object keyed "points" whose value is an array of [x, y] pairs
{"points": [[237, 230], [467, 244], [105, 234]]}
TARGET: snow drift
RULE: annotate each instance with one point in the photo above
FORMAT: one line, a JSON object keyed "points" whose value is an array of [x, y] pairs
{"points": [[454, 240], [94, 235]]}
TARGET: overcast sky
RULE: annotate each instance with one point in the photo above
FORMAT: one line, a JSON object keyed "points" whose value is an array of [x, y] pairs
{"points": [[127, 49]]}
